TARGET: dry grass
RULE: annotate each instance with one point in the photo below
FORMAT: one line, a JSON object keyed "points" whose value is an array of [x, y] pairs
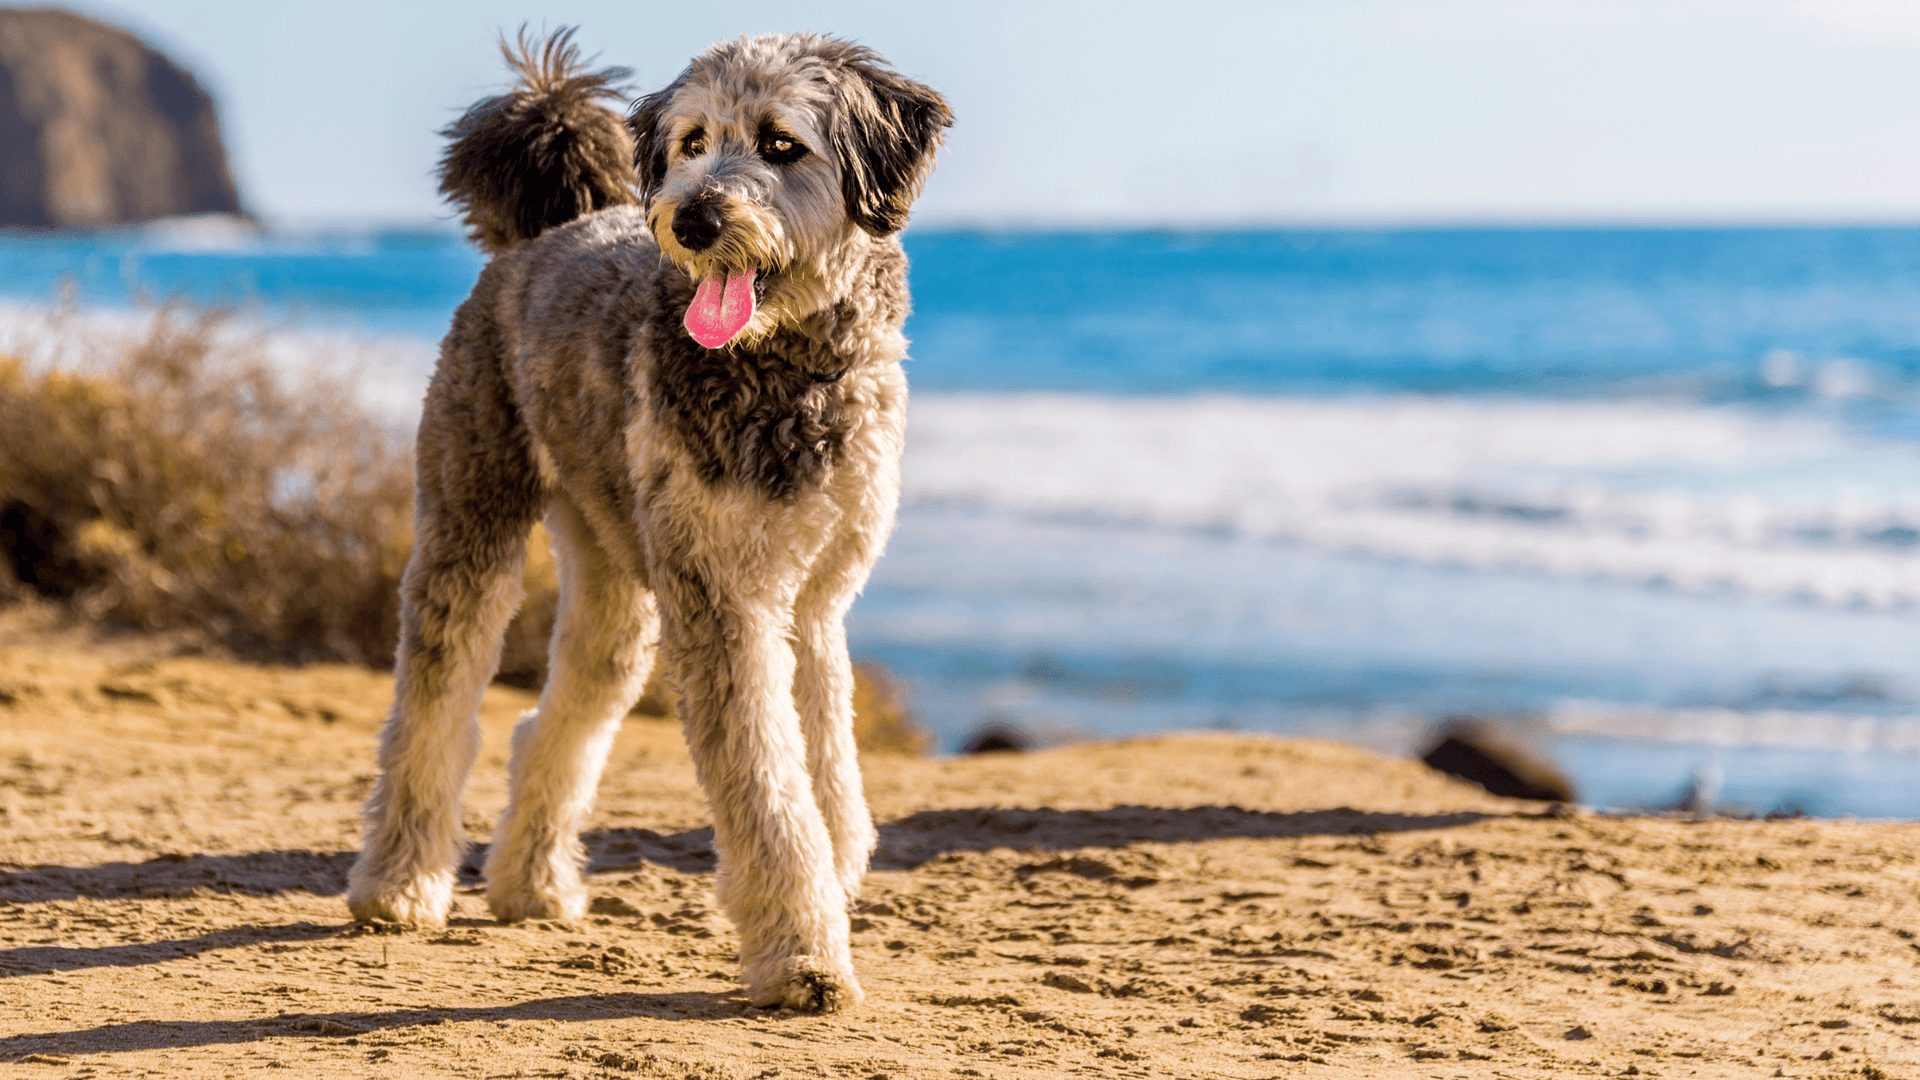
{"points": [[882, 722], [173, 481]]}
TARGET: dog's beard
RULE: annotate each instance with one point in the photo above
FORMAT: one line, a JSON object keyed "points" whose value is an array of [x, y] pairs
{"points": [[775, 262], [732, 278]]}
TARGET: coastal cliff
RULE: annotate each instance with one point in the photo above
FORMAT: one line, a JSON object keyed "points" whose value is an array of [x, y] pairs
{"points": [[100, 129]]}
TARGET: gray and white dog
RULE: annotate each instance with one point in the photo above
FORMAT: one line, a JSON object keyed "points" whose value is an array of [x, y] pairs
{"points": [[698, 383]]}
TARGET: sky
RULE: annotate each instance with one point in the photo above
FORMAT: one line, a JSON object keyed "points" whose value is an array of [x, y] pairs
{"points": [[1191, 113]]}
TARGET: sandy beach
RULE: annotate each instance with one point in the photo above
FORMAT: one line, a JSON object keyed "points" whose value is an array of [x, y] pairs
{"points": [[175, 834]]}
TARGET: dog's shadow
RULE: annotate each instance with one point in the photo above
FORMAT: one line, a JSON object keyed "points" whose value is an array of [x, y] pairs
{"points": [[904, 844], [929, 834], [47, 959], [177, 1034], [919, 838], [259, 873]]}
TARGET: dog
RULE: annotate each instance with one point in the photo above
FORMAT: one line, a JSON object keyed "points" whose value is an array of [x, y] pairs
{"points": [[685, 352]]}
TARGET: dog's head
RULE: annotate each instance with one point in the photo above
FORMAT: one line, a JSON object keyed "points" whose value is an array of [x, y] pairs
{"points": [[765, 159]]}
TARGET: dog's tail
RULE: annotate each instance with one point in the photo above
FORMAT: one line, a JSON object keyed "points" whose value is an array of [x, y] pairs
{"points": [[545, 152]]}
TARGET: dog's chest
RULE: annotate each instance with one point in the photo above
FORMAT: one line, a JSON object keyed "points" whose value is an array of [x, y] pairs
{"points": [[776, 421]]}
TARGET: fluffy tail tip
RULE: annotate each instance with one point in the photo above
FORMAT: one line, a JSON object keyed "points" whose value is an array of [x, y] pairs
{"points": [[545, 152]]}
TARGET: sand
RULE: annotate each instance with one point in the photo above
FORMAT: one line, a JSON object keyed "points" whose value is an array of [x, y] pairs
{"points": [[175, 834]]}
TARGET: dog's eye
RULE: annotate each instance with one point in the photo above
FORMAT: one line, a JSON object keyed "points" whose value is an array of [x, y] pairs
{"points": [[694, 144], [781, 149]]}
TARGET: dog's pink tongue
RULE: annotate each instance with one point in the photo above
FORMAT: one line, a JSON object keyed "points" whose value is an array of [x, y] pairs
{"points": [[720, 310]]}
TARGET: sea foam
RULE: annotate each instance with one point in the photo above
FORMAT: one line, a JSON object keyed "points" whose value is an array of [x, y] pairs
{"points": [[1694, 497]]}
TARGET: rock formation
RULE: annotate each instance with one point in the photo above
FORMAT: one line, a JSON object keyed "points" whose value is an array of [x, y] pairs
{"points": [[1473, 749], [96, 128]]}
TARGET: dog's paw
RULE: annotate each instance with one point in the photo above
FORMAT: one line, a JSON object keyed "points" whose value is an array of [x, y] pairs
{"points": [[805, 983], [515, 903], [420, 901]]}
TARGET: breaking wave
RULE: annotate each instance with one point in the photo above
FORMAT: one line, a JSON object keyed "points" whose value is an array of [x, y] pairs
{"points": [[1699, 498]]}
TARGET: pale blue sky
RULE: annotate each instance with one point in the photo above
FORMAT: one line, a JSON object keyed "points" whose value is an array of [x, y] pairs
{"points": [[1207, 111]]}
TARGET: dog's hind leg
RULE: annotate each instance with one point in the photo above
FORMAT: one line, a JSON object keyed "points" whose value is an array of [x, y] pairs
{"points": [[477, 497], [603, 646], [728, 644]]}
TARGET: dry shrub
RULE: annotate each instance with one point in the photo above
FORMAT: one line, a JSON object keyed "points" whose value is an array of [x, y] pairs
{"points": [[881, 720], [177, 484], [523, 656], [175, 481]]}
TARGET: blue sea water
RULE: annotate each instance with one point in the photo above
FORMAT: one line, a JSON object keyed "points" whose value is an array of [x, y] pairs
{"points": [[1652, 494]]}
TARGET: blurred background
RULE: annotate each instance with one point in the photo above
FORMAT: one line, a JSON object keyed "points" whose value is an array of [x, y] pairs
{"points": [[1327, 367]]}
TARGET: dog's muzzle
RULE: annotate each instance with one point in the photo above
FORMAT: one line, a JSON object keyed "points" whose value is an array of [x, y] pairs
{"points": [[724, 302]]}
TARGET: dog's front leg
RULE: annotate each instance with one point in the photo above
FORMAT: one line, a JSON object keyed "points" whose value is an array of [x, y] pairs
{"points": [[824, 693], [777, 880]]}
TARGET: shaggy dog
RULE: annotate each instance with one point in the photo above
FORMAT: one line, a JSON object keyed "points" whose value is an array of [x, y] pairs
{"points": [[698, 384]]}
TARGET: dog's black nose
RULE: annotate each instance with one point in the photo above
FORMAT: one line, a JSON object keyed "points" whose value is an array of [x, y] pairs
{"points": [[697, 225]]}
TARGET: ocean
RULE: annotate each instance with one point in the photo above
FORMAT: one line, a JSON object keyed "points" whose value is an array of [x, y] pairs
{"points": [[1649, 495]]}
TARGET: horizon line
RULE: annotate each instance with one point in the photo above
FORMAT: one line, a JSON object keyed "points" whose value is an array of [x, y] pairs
{"points": [[270, 224]]}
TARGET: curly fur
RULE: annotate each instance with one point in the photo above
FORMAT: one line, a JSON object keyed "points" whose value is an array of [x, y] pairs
{"points": [[716, 507], [544, 153]]}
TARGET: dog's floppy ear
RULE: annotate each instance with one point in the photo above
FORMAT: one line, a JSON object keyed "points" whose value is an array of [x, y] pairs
{"points": [[885, 135], [649, 142]]}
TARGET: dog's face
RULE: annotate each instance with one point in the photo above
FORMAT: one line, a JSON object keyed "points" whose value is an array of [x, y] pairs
{"points": [[765, 159]]}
